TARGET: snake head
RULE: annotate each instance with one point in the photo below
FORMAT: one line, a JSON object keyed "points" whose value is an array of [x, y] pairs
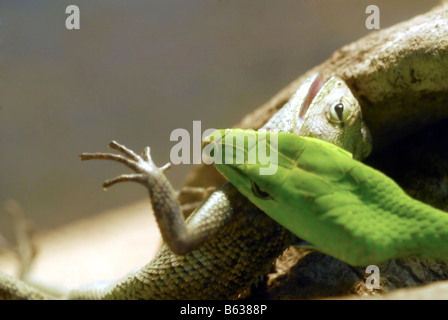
{"points": [[318, 191], [253, 162]]}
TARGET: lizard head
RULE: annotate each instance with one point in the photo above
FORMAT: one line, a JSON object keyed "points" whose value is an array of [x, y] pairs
{"points": [[334, 115]]}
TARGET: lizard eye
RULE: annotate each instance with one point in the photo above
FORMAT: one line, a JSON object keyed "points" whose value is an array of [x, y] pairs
{"points": [[339, 113], [260, 193]]}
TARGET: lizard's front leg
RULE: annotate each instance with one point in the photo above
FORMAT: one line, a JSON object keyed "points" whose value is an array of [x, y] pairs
{"points": [[180, 237]]}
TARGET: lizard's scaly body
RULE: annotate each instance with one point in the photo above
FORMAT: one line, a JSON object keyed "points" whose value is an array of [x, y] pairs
{"points": [[234, 243], [217, 269]]}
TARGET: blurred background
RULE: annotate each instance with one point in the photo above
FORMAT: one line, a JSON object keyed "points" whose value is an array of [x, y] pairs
{"points": [[137, 70]]}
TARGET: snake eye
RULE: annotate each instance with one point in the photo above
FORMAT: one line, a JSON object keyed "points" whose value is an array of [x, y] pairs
{"points": [[260, 193]]}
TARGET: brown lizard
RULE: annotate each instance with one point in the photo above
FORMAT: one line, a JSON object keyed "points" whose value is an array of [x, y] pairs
{"points": [[227, 243]]}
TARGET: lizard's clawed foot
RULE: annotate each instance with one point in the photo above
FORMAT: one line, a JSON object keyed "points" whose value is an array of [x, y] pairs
{"points": [[142, 165], [177, 235], [162, 196]]}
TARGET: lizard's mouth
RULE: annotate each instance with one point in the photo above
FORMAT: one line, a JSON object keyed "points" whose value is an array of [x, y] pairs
{"points": [[315, 87]]}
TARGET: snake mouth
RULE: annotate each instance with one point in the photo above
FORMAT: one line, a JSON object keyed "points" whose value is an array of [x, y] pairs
{"points": [[314, 89]]}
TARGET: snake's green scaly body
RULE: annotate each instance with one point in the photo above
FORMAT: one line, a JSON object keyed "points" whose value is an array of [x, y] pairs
{"points": [[343, 207]]}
